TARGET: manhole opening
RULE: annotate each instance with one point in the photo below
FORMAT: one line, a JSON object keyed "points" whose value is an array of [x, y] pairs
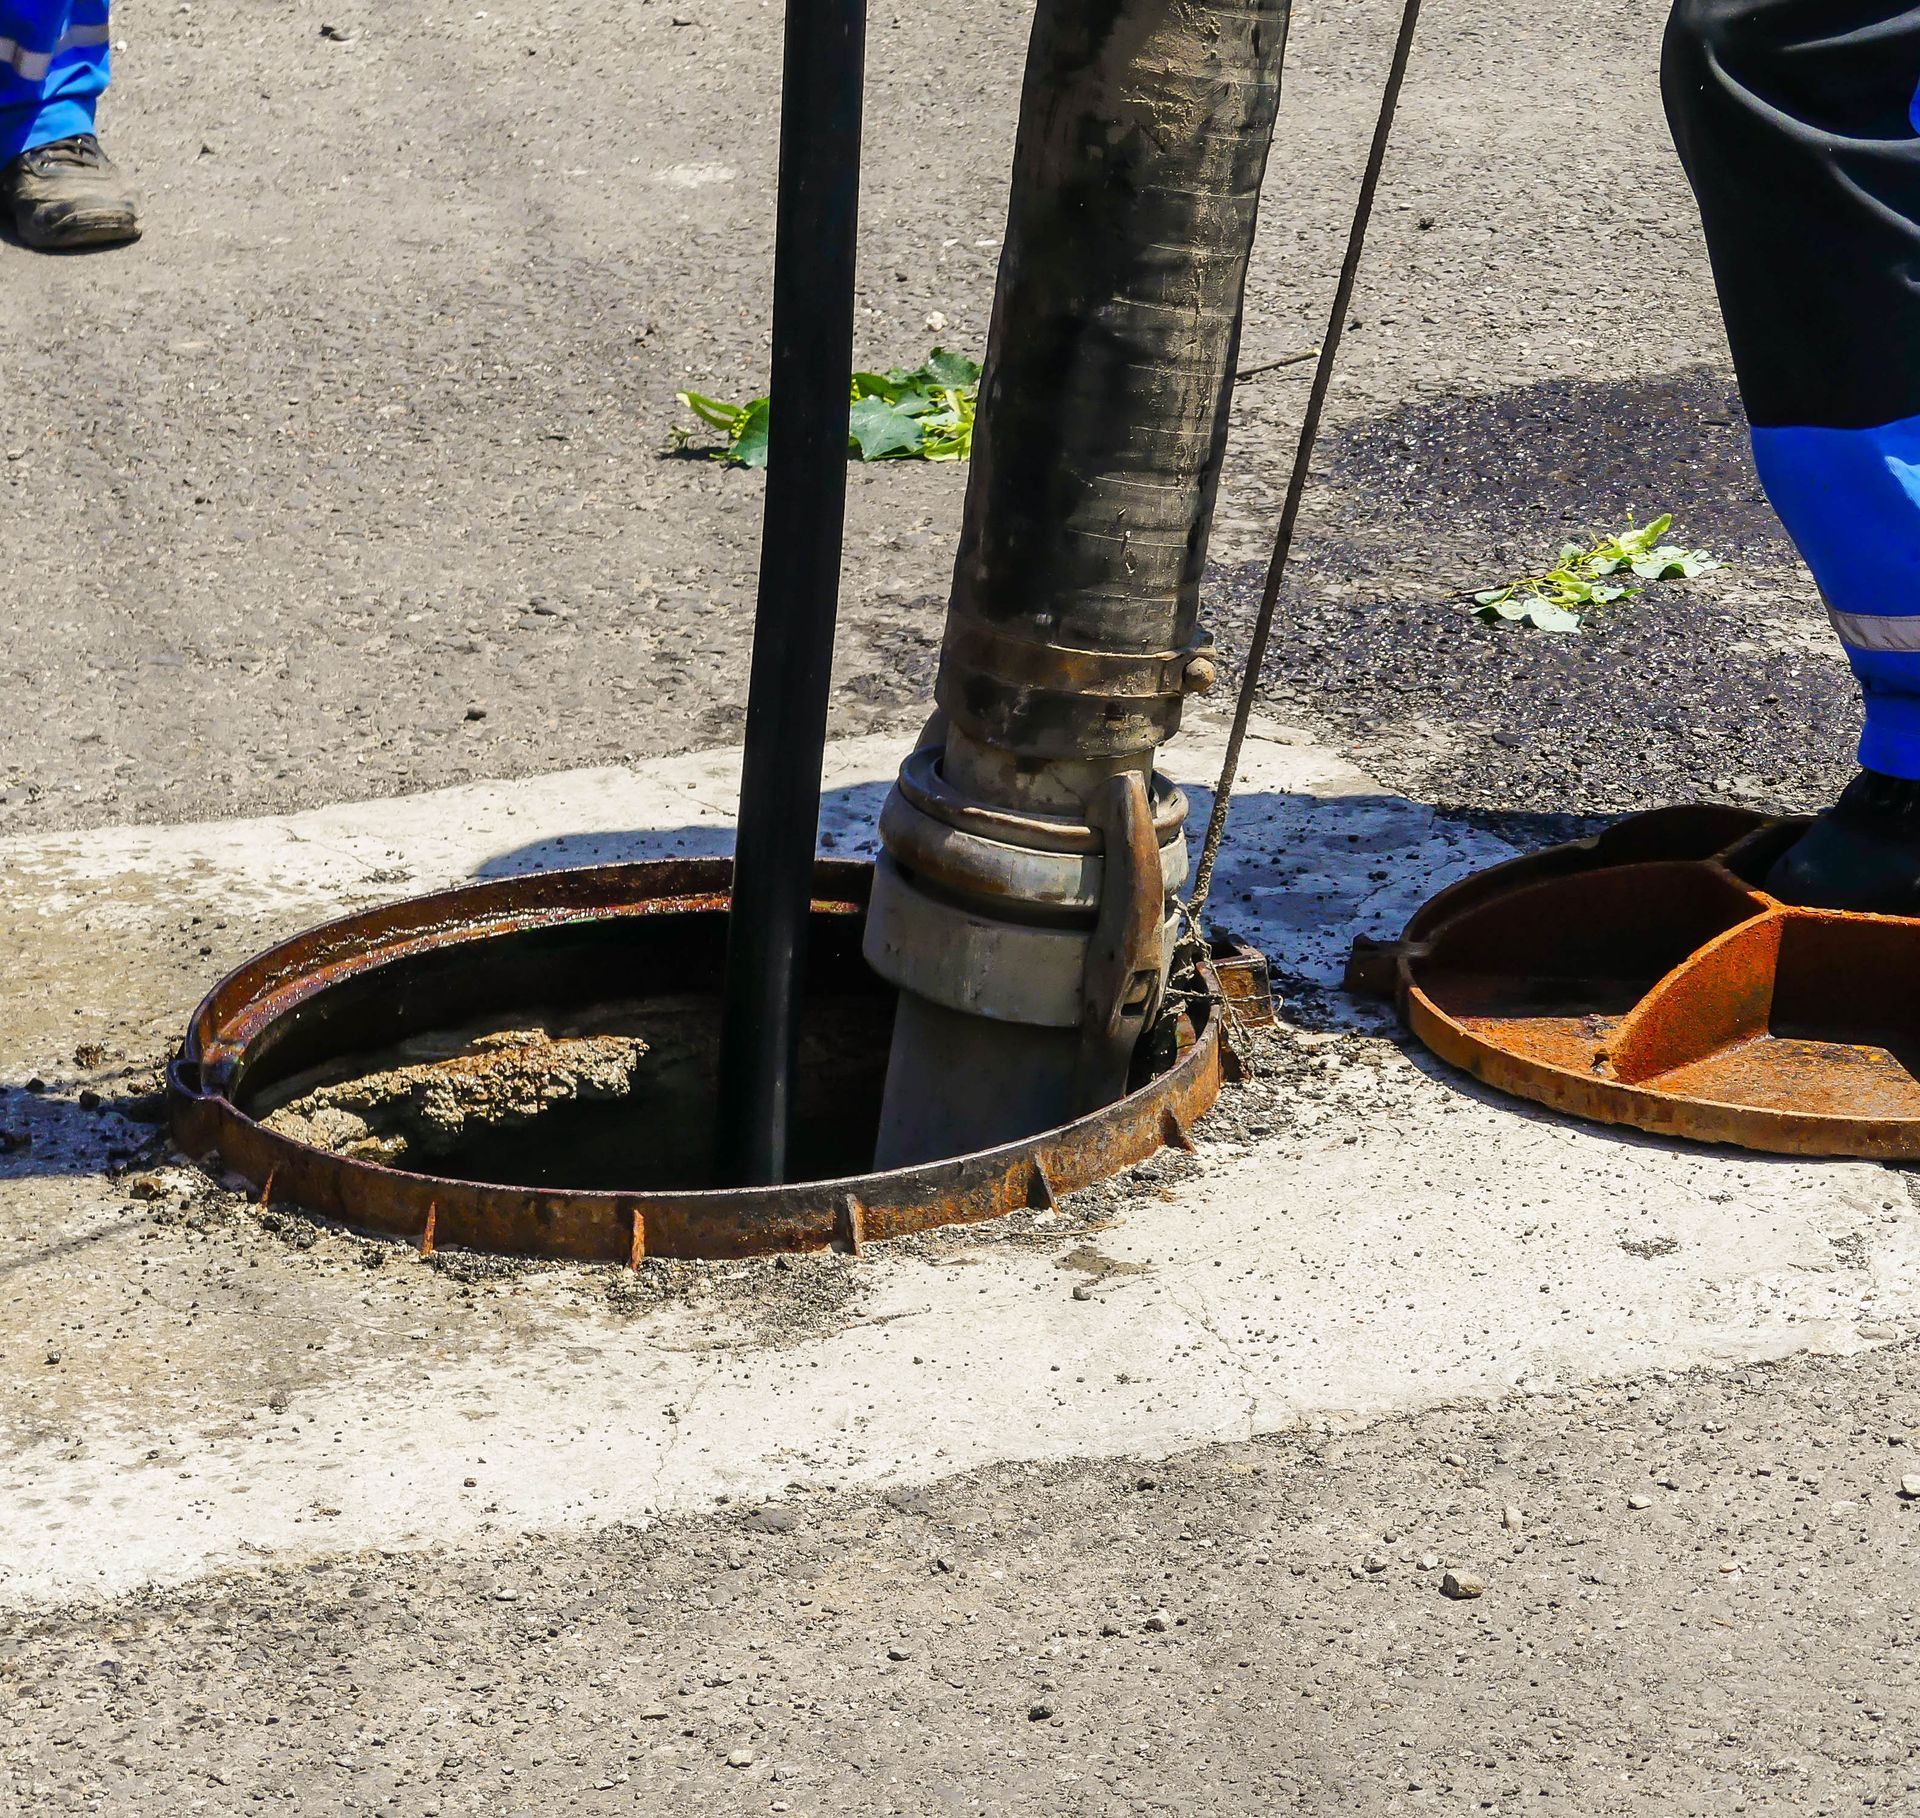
{"points": [[458, 1013]]}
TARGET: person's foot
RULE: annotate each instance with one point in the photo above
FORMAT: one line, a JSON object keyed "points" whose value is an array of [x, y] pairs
{"points": [[1862, 854], [70, 193]]}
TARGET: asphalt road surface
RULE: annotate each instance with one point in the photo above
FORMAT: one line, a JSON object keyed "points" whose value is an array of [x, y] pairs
{"points": [[372, 433]]}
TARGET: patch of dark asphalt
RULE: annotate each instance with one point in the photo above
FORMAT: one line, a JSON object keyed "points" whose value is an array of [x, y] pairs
{"points": [[1723, 689], [1727, 689], [892, 652], [1498, 477]]}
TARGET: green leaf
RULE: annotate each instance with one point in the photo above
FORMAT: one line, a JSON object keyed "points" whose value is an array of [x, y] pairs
{"points": [[926, 413], [711, 411], [1579, 577], [951, 370], [879, 432], [749, 448], [1551, 618], [912, 392], [948, 435]]}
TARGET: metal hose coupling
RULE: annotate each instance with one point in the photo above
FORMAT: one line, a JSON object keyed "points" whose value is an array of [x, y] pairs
{"points": [[1061, 924]]}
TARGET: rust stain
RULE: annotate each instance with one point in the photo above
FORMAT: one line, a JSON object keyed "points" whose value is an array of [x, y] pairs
{"points": [[1244, 981], [1173, 1134], [853, 1224]]}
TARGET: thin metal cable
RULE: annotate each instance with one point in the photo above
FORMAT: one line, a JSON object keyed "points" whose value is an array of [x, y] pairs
{"points": [[1302, 462]]}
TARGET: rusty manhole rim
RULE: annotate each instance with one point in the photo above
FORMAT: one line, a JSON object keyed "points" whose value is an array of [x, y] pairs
{"points": [[1727, 845], [626, 1227]]}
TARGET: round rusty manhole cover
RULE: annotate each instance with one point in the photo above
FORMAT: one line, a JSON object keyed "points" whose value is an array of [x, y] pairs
{"points": [[527, 1066], [1644, 978]]}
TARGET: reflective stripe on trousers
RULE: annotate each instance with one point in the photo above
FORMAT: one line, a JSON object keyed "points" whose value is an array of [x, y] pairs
{"points": [[54, 58]]}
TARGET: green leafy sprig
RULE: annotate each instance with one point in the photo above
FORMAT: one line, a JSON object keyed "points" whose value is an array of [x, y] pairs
{"points": [[925, 414], [1583, 579]]}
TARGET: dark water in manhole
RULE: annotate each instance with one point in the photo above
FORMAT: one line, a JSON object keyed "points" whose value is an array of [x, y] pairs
{"points": [[655, 978]]}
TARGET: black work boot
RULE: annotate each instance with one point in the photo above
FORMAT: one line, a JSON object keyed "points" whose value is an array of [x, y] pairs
{"points": [[70, 193], [1862, 854]]}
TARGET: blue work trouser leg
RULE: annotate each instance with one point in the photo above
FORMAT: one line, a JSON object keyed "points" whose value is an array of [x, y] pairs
{"points": [[1798, 126], [53, 68]]}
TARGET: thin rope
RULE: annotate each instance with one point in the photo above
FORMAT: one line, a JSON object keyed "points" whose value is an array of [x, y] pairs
{"points": [[1302, 463]]}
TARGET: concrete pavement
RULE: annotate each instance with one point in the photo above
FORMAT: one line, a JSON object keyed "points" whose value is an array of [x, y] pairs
{"points": [[1361, 1233]]}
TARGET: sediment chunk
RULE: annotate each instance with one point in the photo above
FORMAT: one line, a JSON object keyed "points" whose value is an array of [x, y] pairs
{"points": [[495, 1081]]}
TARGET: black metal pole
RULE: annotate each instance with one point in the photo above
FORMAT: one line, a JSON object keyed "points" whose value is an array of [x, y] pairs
{"points": [[813, 264]]}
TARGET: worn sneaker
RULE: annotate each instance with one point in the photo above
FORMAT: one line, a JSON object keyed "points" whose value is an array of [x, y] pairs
{"points": [[70, 193], [1862, 854]]}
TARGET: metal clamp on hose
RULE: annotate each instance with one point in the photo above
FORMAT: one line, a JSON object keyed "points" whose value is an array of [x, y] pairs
{"points": [[1054, 701], [996, 912], [1125, 972]]}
